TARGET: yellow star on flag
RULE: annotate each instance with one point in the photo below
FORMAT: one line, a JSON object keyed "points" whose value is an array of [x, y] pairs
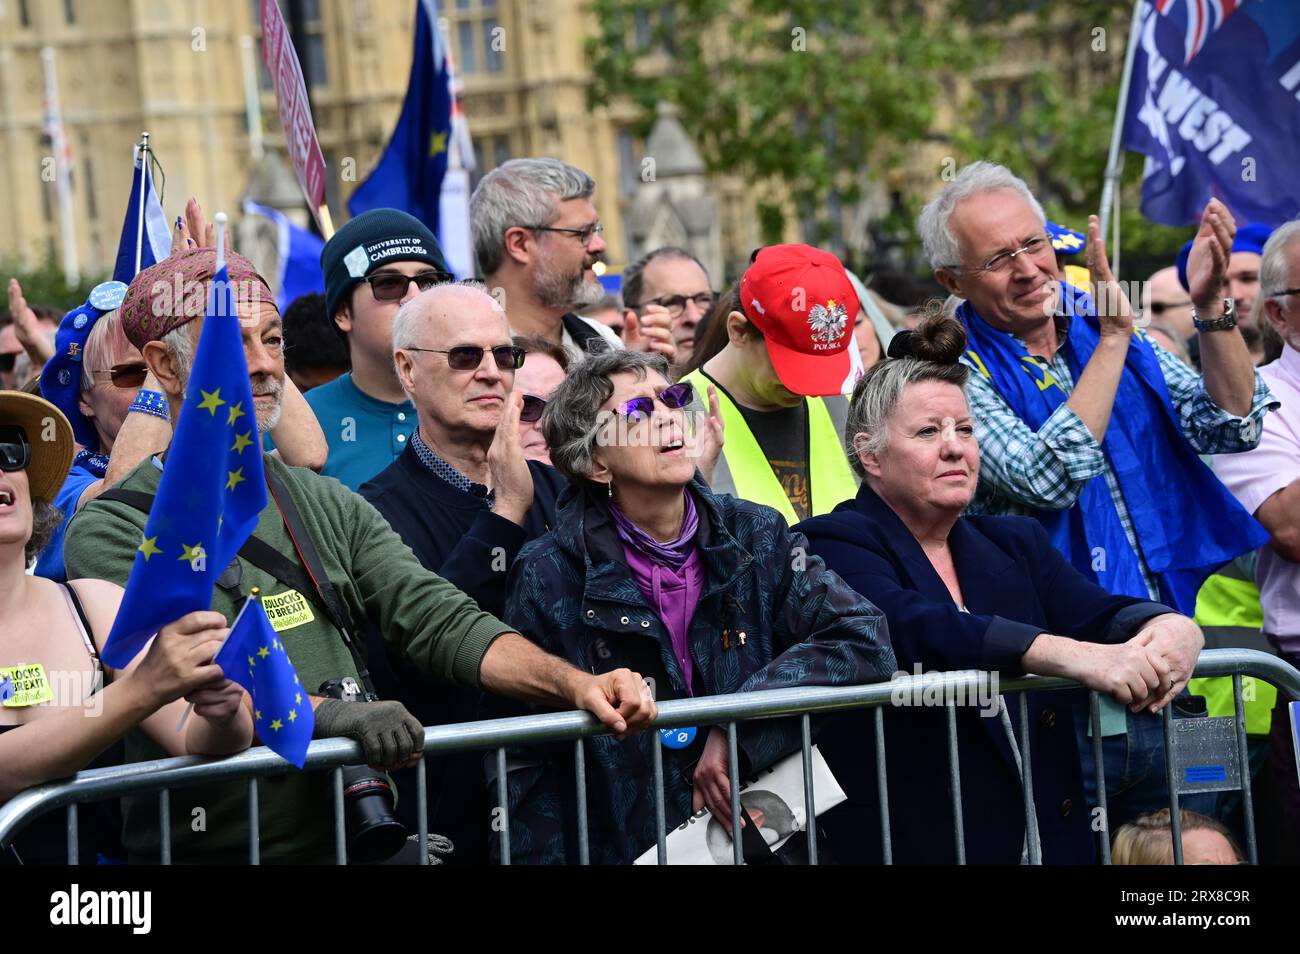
{"points": [[149, 547], [192, 555], [257, 714], [297, 697], [236, 412], [264, 652], [211, 401], [293, 715], [234, 477], [277, 725], [437, 143], [241, 441], [252, 661]]}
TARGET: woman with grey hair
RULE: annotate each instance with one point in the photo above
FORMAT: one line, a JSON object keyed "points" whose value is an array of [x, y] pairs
{"points": [[968, 593], [707, 594]]}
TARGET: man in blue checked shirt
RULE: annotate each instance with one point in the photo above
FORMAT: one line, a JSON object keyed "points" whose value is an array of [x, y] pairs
{"points": [[1090, 427]]}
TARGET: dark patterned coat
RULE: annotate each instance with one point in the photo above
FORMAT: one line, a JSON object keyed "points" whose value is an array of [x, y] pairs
{"points": [[572, 592]]}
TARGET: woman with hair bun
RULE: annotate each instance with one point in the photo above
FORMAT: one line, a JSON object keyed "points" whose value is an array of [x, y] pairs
{"points": [[966, 593]]}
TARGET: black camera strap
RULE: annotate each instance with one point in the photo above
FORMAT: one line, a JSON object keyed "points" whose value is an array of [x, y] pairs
{"points": [[261, 554], [324, 587]]}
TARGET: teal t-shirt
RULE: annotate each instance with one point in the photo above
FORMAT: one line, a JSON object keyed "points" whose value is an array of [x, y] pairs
{"points": [[364, 434]]}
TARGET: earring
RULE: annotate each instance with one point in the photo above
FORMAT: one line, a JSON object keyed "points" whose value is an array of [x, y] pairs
{"points": [[610, 486]]}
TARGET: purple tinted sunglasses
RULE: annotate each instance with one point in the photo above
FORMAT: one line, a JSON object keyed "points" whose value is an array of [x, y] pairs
{"points": [[642, 408]]}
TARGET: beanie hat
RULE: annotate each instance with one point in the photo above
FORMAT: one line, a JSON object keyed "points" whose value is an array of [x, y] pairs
{"points": [[370, 240]]}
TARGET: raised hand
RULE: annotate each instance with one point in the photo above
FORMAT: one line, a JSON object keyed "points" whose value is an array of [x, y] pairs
{"points": [[1114, 313], [1207, 264], [512, 481], [651, 331]]}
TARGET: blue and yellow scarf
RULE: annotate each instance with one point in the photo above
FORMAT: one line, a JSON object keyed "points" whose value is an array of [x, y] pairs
{"points": [[1186, 522]]}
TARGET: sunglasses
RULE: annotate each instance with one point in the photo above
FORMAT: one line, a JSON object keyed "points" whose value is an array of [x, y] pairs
{"points": [[15, 452], [7, 361], [469, 357], [126, 375], [675, 397], [1160, 307], [391, 286], [532, 410]]}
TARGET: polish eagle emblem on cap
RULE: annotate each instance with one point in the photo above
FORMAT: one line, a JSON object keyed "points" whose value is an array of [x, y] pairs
{"points": [[827, 321]]}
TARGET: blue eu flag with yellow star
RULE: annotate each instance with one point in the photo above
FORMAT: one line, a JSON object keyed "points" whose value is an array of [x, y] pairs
{"points": [[254, 657], [211, 493], [410, 172]]}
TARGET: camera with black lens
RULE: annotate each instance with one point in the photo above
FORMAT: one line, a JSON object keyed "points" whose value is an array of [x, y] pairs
{"points": [[373, 832]]}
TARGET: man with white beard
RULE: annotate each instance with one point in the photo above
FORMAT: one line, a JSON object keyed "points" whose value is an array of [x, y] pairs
{"points": [[537, 237], [368, 577]]}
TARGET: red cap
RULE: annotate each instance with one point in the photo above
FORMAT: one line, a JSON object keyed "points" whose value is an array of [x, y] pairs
{"points": [[801, 299]]}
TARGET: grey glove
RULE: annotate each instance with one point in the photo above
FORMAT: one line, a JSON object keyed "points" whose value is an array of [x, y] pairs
{"points": [[389, 735]]}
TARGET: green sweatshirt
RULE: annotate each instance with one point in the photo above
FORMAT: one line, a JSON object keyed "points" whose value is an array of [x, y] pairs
{"points": [[427, 622]]}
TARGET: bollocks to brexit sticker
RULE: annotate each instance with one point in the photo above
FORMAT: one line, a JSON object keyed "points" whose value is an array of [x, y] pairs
{"points": [[677, 738], [24, 685]]}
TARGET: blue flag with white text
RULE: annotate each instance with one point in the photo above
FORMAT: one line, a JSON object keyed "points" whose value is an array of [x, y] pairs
{"points": [[410, 172], [1215, 107], [154, 241], [254, 657], [211, 493]]}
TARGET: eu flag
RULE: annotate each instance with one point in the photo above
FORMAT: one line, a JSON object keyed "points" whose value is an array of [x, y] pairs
{"points": [[410, 172], [211, 493], [1214, 104], [154, 240], [254, 657]]}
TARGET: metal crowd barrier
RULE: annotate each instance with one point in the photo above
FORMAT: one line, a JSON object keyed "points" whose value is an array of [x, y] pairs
{"points": [[331, 754]]}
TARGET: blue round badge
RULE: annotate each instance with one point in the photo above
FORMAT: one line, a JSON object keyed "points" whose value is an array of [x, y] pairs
{"points": [[79, 322], [677, 738], [107, 295]]}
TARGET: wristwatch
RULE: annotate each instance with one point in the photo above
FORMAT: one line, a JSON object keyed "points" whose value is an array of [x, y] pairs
{"points": [[1228, 320]]}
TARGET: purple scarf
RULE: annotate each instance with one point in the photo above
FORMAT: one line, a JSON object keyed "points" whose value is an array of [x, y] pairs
{"points": [[670, 577], [672, 554]]}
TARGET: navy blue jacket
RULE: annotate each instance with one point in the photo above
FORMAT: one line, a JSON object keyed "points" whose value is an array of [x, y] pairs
{"points": [[1016, 586], [574, 595], [454, 534]]}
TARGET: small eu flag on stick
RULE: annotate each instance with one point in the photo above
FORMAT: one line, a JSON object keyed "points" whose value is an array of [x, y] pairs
{"points": [[254, 657]]}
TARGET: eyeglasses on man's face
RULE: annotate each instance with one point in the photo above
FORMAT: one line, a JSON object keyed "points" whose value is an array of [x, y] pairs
{"points": [[1001, 262], [469, 357], [391, 286], [15, 451], [675, 305], [584, 235], [532, 410]]}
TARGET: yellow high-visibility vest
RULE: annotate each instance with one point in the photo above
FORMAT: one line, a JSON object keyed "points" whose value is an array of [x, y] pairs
{"points": [[830, 478], [1229, 605]]}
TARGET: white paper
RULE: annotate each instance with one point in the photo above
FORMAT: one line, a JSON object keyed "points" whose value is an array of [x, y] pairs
{"points": [[775, 800]]}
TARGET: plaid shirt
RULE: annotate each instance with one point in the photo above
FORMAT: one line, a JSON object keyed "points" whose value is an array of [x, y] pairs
{"points": [[450, 474], [1022, 470]]}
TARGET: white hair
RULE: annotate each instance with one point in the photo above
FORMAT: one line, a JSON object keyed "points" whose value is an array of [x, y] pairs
{"points": [[940, 244], [416, 311], [520, 192], [180, 345], [1274, 274]]}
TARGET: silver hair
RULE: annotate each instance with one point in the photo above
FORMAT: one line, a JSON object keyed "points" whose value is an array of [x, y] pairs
{"points": [[1274, 273], [180, 345], [866, 429], [520, 192], [571, 420], [416, 310], [941, 245]]}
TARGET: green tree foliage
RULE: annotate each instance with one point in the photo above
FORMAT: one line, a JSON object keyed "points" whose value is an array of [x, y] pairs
{"points": [[46, 285], [814, 99]]}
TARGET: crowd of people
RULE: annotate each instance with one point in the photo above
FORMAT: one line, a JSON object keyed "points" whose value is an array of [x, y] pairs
{"points": [[525, 495]]}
